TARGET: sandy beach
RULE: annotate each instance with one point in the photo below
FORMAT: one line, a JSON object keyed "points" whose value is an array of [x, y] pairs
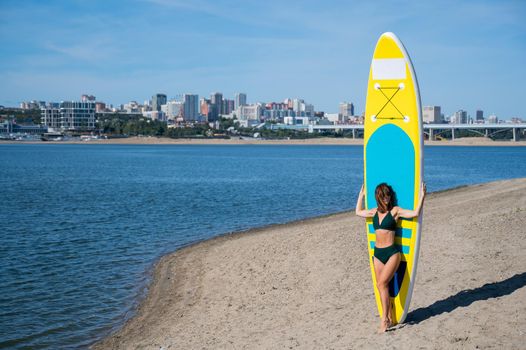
{"points": [[307, 284], [466, 141]]}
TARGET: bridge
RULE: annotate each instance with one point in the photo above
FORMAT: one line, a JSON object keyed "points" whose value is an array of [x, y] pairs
{"points": [[431, 130]]}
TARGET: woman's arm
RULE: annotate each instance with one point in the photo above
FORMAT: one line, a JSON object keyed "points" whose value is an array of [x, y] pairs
{"points": [[408, 214], [359, 207]]}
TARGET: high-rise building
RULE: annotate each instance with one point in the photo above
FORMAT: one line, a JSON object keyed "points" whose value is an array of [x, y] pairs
{"points": [[216, 98], [479, 116], [216, 106], [131, 107], [432, 115], [308, 109], [33, 105], [297, 105], [191, 107], [493, 119], [346, 111], [241, 99], [249, 112], [174, 109], [157, 101], [51, 115], [87, 98], [277, 111], [100, 107], [228, 106], [205, 108], [461, 117]]}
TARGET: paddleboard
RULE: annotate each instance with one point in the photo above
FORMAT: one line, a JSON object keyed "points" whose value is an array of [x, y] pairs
{"points": [[393, 153]]}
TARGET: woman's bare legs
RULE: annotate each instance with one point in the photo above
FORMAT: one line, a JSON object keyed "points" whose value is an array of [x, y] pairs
{"points": [[384, 274]]}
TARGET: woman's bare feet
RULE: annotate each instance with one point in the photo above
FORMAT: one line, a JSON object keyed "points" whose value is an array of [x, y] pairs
{"points": [[389, 317], [384, 325], [390, 321]]}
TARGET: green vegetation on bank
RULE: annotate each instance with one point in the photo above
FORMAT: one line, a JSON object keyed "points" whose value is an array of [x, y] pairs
{"points": [[122, 125], [134, 125], [129, 124]]}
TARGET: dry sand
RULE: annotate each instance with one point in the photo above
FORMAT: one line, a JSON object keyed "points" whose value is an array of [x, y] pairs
{"points": [[466, 141], [307, 284]]}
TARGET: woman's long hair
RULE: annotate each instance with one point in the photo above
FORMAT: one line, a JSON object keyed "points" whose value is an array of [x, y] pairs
{"points": [[384, 191]]}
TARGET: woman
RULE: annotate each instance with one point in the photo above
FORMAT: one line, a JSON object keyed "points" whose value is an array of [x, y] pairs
{"points": [[386, 254]]}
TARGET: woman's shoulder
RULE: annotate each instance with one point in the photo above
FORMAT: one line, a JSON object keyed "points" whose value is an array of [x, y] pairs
{"points": [[395, 210]]}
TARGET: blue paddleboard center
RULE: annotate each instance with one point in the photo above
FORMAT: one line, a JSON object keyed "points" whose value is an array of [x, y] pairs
{"points": [[390, 158]]}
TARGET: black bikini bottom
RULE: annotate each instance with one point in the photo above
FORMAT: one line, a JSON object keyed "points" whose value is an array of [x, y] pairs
{"points": [[383, 254]]}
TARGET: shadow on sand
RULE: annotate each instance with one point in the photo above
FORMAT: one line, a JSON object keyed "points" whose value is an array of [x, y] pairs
{"points": [[467, 297]]}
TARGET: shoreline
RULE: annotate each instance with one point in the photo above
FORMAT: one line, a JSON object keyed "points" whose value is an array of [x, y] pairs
{"points": [[212, 293], [466, 141]]}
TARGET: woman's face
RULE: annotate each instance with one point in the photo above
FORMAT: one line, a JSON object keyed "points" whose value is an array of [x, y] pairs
{"points": [[387, 199]]}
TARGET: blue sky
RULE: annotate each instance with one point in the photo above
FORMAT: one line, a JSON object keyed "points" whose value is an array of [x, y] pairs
{"points": [[467, 54]]}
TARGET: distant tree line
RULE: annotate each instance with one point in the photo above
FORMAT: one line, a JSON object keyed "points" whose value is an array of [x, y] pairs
{"points": [[136, 124]]}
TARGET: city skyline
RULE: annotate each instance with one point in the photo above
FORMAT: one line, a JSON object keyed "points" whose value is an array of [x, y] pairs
{"points": [[467, 56], [438, 116]]}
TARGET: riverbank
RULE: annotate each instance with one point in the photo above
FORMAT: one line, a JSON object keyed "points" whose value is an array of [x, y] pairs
{"points": [[466, 141], [307, 284]]}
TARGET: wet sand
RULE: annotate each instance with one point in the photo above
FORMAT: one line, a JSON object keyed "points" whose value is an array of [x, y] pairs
{"points": [[307, 284]]}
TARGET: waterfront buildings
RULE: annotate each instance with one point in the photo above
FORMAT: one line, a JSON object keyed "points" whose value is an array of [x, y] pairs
{"points": [[51, 115], [296, 120], [69, 115], [157, 101], [77, 115], [188, 107], [9, 126], [432, 115]]}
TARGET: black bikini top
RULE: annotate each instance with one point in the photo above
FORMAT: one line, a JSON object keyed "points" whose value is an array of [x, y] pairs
{"points": [[388, 222]]}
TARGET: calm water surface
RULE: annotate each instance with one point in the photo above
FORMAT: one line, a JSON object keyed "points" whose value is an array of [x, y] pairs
{"points": [[83, 224]]}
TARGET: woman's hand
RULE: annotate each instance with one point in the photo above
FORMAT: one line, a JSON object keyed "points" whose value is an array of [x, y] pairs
{"points": [[359, 205], [423, 189]]}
